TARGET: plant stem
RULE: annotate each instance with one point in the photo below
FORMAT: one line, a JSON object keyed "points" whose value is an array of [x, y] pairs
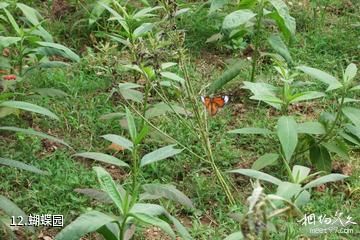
{"points": [[204, 136], [257, 39]]}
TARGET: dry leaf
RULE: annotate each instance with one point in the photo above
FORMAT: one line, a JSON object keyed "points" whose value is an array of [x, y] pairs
{"points": [[116, 147]]}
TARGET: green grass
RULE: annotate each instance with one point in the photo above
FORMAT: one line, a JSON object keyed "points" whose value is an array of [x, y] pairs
{"points": [[88, 100]]}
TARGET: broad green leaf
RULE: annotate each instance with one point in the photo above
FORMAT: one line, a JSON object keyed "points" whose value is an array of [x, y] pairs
{"points": [[168, 191], [354, 130], [264, 89], [30, 13], [21, 165], [305, 96], [285, 22], [131, 124], [235, 236], [279, 46], [51, 92], [96, 194], [237, 18], [7, 41], [120, 39], [145, 12], [325, 179], [321, 76], [311, 128], [29, 107], [353, 114], [70, 54], [349, 100], [287, 134], [110, 231], [159, 154], [300, 173], [214, 38], [258, 175], [117, 17], [338, 147], [356, 88], [217, 4], [321, 158], [131, 94], [109, 186], [102, 158], [350, 138], [97, 11], [179, 227], [5, 111], [119, 140], [110, 116], [167, 65], [265, 160], [267, 98], [155, 222], [142, 29], [3, 5], [11, 209], [148, 208], [287, 190], [262, 131], [302, 199], [162, 108], [173, 76], [13, 22], [229, 74], [84, 224], [350, 72], [34, 133], [144, 131]]}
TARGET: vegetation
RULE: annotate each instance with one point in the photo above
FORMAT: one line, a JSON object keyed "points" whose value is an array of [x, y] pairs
{"points": [[115, 114]]}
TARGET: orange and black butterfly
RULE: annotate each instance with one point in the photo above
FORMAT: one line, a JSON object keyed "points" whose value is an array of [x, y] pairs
{"points": [[213, 104]]}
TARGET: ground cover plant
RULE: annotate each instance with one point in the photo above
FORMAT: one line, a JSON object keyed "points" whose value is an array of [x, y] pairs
{"points": [[179, 119]]}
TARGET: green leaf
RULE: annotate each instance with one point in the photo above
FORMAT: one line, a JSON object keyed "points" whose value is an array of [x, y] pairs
{"points": [[30, 13], [265, 160], [28, 107], [217, 4], [350, 72], [235, 236], [353, 114], [148, 208], [305, 96], [34, 133], [356, 88], [110, 231], [11, 209], [21, 165], [159, 154], [13, 22], [96, 194], [287, 190], [300, 173], [258, 175], [142, 29], [85, 223], [227, 76], [102, 158], [338, 147], [279, 46], [282, 17], [173, 76], [117, 17], [302, 199], [311, 128], [322, 76], [168, 191], [70, 54], [155, 222], [7, 41], [162, 108], [287, 134], [237, 18], [108, 185], [145, 12], [262, 131], [119, 140], [110, 116], [321, 158], [264, 91], [325, 179], [51, 92], [130, 94], [131, 124]]}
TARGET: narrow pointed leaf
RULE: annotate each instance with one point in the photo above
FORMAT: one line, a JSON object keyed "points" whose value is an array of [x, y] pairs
{"points": [[160, 154], [265, 160], [287, 134], [29, 107], [21, 165], [102, 158], [353, 114], [322, 76], [258, 175], [325, 179], [119, 140]]}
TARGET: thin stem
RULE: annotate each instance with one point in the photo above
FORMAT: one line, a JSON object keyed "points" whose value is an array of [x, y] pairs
{"points": [[257, 39]]}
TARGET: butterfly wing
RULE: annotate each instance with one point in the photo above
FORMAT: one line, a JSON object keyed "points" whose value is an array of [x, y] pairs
{"points": [[220, 101]]}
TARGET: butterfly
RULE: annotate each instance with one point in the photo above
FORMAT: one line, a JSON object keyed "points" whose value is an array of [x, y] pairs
{"points": [[213, 104]]}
